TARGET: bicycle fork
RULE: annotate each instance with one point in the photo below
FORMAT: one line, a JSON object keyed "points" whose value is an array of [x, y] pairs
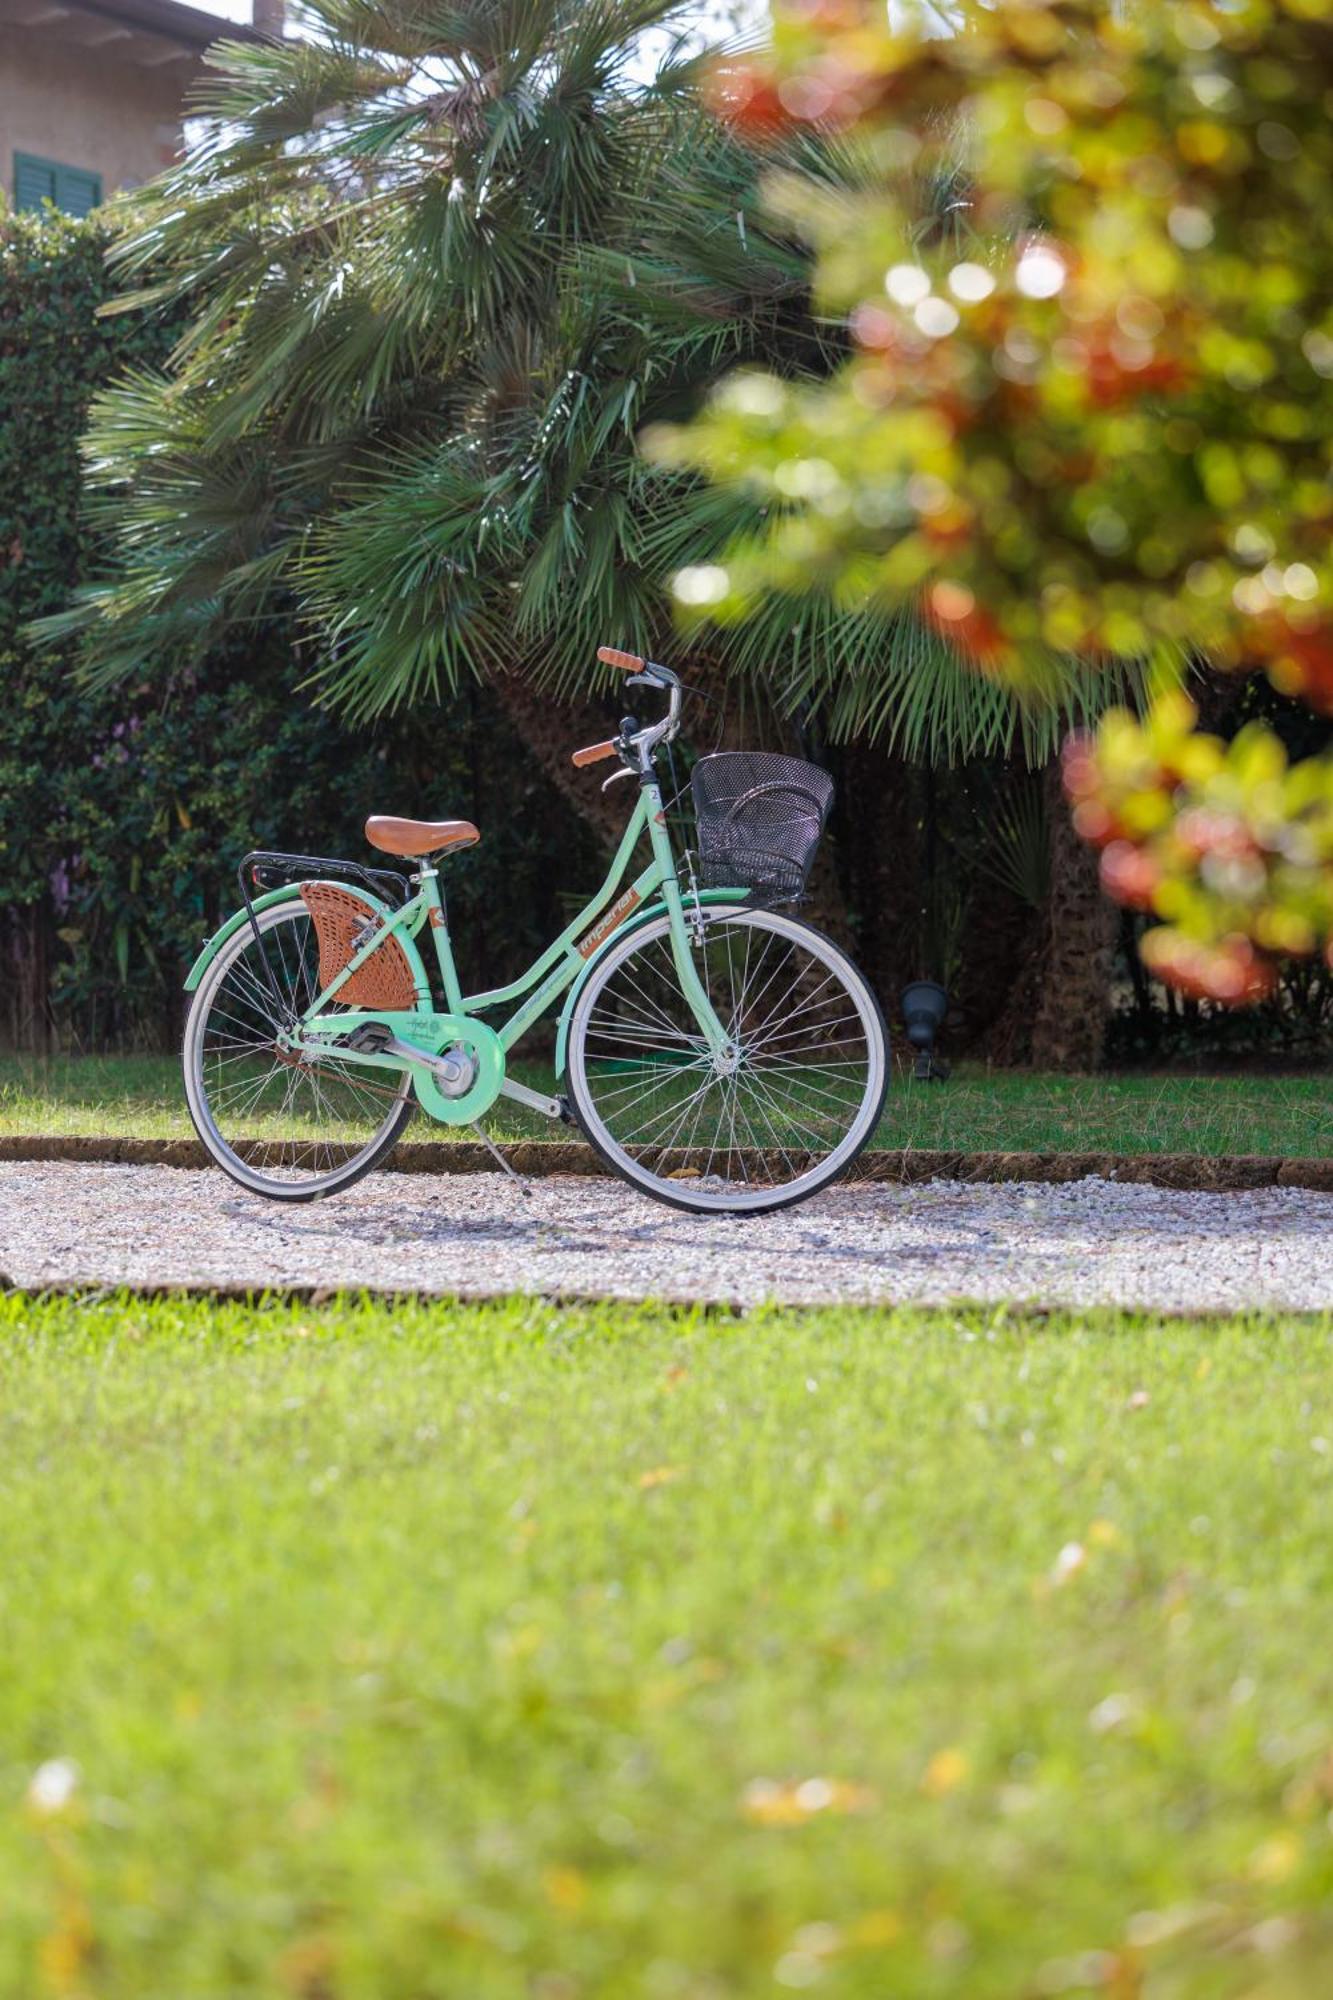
{"points": [[721, 1046]]}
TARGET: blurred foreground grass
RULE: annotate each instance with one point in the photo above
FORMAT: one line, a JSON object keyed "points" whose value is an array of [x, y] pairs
{"points": [[979, 1110], [533, 1653]]}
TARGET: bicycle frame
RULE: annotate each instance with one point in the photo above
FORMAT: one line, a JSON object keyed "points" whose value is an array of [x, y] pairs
{"points": [[558, 967]]}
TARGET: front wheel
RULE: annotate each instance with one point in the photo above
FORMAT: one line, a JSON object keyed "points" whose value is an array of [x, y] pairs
{"points": [[784, 1117]]}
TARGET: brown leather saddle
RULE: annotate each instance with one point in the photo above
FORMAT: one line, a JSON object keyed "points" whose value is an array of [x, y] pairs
{"points": [[414, 839]]}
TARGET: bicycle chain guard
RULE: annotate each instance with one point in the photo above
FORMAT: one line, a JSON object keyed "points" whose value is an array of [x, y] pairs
{"points": [[485, 1049]]}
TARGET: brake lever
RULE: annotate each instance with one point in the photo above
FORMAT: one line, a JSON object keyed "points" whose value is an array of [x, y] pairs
{"points": [[629, 726], [665, 687]]}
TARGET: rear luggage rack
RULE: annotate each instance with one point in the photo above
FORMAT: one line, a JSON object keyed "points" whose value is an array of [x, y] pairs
{"points": [[269, 870]]}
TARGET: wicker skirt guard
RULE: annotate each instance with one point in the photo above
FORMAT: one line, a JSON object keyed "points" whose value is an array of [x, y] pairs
{"points": [[343, 924]]}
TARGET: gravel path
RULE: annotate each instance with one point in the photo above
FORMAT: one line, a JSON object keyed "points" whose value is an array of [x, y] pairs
{"points": [[1087, 1242]]}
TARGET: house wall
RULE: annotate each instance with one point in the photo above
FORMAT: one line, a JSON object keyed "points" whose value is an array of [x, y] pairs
{"points": [[83, 108]]}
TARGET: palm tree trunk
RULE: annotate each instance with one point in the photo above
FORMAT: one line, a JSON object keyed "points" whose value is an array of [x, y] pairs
{"points": [[551, 731], [1072, 988]]}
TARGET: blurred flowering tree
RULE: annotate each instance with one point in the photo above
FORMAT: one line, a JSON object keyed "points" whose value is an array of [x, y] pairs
{"points": [[1088, 418]]}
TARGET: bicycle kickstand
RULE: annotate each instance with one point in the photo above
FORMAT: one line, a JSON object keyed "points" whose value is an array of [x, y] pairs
{"points": [[503, 1163]]}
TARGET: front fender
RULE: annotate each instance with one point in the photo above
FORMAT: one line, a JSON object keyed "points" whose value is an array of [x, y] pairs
{"points": [[211, 946], [657, 908]]}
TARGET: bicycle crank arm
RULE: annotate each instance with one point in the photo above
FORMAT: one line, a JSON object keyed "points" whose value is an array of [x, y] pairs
{"points": [[453, 1076], [548, 1107]]}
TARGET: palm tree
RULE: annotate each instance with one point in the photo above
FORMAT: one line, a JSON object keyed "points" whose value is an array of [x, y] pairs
{"points": [[437, 267]]}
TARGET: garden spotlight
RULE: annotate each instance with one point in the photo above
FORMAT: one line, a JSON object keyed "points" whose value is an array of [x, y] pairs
{"points": [[924, 1006]]}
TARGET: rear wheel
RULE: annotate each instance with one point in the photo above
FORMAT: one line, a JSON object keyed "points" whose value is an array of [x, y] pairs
{"points": [[281, 1126], [789, 1114]]}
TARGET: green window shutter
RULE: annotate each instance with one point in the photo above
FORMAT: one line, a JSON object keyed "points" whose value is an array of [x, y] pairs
{"points": [[77, 191], [72, 188], [34, 181]]}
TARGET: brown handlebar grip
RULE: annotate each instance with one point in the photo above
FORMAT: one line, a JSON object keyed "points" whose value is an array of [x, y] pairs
{"points": [[611, 656], [596, 753]]}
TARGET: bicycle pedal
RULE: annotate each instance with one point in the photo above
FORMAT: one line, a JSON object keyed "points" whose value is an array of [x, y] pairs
{"points": [[371, 1040]]}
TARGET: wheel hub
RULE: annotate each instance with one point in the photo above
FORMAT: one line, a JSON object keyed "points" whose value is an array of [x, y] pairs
{"points": [[288, 1058], [458, 1079]]}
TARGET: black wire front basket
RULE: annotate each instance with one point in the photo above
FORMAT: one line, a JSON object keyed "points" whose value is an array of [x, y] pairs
{"points": [[759, 818]]}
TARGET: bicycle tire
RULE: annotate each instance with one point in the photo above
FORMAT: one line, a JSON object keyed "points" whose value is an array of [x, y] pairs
{"points": [[684, 1186]]}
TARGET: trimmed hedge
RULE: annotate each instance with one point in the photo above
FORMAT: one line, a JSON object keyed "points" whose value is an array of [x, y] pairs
{"points": [[123, 813], [54, 352]]}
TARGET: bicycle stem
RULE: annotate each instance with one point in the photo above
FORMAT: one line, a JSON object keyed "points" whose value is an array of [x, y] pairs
{"points": [[638, 750]]}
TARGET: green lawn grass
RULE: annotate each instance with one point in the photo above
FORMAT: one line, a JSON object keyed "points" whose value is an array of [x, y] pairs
{"points": [[977, 1111], [531, 1653]]}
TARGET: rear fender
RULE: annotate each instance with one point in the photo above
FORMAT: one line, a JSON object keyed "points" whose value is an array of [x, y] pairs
{"points": [[647, 915], [290, 892]]}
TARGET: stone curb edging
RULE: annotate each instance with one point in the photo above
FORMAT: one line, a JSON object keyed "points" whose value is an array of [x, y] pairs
{"points": [[299, 1292], [1189, 1172], [279, 1292]]}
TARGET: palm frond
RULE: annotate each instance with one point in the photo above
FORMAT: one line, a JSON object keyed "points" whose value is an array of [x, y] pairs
{"points": [[440, 264]]}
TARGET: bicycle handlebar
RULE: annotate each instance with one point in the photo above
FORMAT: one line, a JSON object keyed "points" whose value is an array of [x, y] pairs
{"points": [[636, 750]]}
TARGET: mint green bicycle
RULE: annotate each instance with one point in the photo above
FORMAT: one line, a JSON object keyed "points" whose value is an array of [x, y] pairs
{"points": [[717, 1052]]}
